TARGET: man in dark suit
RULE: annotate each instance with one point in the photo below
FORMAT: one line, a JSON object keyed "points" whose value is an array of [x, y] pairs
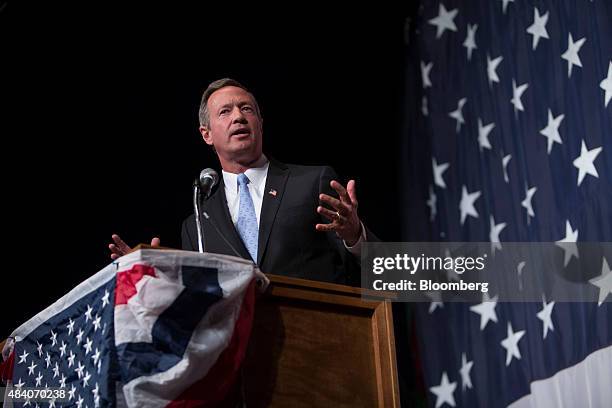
{"points": [[290, 220]]}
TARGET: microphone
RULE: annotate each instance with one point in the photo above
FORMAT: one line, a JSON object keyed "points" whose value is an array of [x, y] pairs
{"points": [[208, 179], [203, 184]]}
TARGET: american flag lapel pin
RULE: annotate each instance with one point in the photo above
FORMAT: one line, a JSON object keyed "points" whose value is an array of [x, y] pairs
{"points": [[272, 192]]}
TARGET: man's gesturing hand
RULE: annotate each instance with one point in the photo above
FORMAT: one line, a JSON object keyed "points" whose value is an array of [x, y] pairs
{"points": [[344, 219], [120, 248]]}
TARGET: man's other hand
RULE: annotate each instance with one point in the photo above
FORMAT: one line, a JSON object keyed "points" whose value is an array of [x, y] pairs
{"points": [[344, 219], [119, 248]]}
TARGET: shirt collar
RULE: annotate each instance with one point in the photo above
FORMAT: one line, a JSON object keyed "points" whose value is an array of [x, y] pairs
{"points": [[256, 176]]}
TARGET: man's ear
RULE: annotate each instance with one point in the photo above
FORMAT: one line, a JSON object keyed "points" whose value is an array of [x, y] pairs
{"points": [[205, 132]]}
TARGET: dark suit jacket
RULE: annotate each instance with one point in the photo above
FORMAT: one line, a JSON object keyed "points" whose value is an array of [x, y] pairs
{"points": [[288, 242]]}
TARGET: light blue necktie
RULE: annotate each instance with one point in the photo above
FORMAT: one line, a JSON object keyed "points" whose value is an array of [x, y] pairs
{"points": [[247, 220]]}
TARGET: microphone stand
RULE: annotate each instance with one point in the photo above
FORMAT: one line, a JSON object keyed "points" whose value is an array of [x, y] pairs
{"points": [[198, 218]]}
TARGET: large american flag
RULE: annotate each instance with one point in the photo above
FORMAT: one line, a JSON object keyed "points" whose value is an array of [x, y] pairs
{"points": [[509, 138], [152, 329]]}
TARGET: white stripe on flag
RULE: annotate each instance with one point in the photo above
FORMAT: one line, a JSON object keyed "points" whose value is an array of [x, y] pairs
{"points": [[586, 385]]}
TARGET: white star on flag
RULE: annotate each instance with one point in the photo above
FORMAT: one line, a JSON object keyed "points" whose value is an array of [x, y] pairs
{"points": [[23, 357], [494, 232], [96, 356], [88, 345], [517, 92], [505, 4], [434, 305], [70, 326], [483, 135], [444, 391], [470, 40], [451, 273], [466, 367], [86, 379], [71, 392], [71, 359], [603, 282], [31, 368], [444, 20], [568, 244], [466, 206], [492, 67], [538, 28], [606, 85], [431, 203], [510, 343], [506, 159], [584, 162], [526, 203], [96, 322], [79, 336], [424, 109], [436, 300], [88, 313], [519, 272], [96, 395], [551, 131], [571, 55], [486, 310], [425, 70], [79, 370], [438, 171], [458, 114], [53, 338], [545, 315], [105, 300]]}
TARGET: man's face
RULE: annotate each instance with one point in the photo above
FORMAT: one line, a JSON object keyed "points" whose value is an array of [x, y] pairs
{"points": [[235, 128]]}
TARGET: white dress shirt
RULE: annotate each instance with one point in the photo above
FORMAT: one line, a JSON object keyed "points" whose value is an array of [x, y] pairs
{"points": [[257, 183]]}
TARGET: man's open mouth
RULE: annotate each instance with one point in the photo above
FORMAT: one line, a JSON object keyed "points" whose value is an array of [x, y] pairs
{"points": [[241, 132]]}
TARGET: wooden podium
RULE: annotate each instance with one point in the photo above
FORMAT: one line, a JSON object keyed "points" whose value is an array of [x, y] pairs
{"points": [[317, 344]]}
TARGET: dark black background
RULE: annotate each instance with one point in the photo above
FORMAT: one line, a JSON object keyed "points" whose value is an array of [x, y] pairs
{"points": [[99, 121]]}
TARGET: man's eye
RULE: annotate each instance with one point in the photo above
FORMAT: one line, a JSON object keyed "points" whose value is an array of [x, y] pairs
{"points": [[223, 111], [247, 109]]}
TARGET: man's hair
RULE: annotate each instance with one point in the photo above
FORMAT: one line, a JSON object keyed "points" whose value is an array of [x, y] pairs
{"points": [[204, 114]]}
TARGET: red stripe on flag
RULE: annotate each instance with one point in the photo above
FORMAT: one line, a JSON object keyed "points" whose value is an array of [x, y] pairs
{"points": [[6, 368], [127, 280], [215, 389]]}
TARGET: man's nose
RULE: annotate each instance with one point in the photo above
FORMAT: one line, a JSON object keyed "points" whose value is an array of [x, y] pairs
{"points": [[238, 116]]}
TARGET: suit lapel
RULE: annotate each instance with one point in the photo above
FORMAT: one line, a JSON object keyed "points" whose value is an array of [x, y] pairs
{"points": [[219, 212], [273, 194]]}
